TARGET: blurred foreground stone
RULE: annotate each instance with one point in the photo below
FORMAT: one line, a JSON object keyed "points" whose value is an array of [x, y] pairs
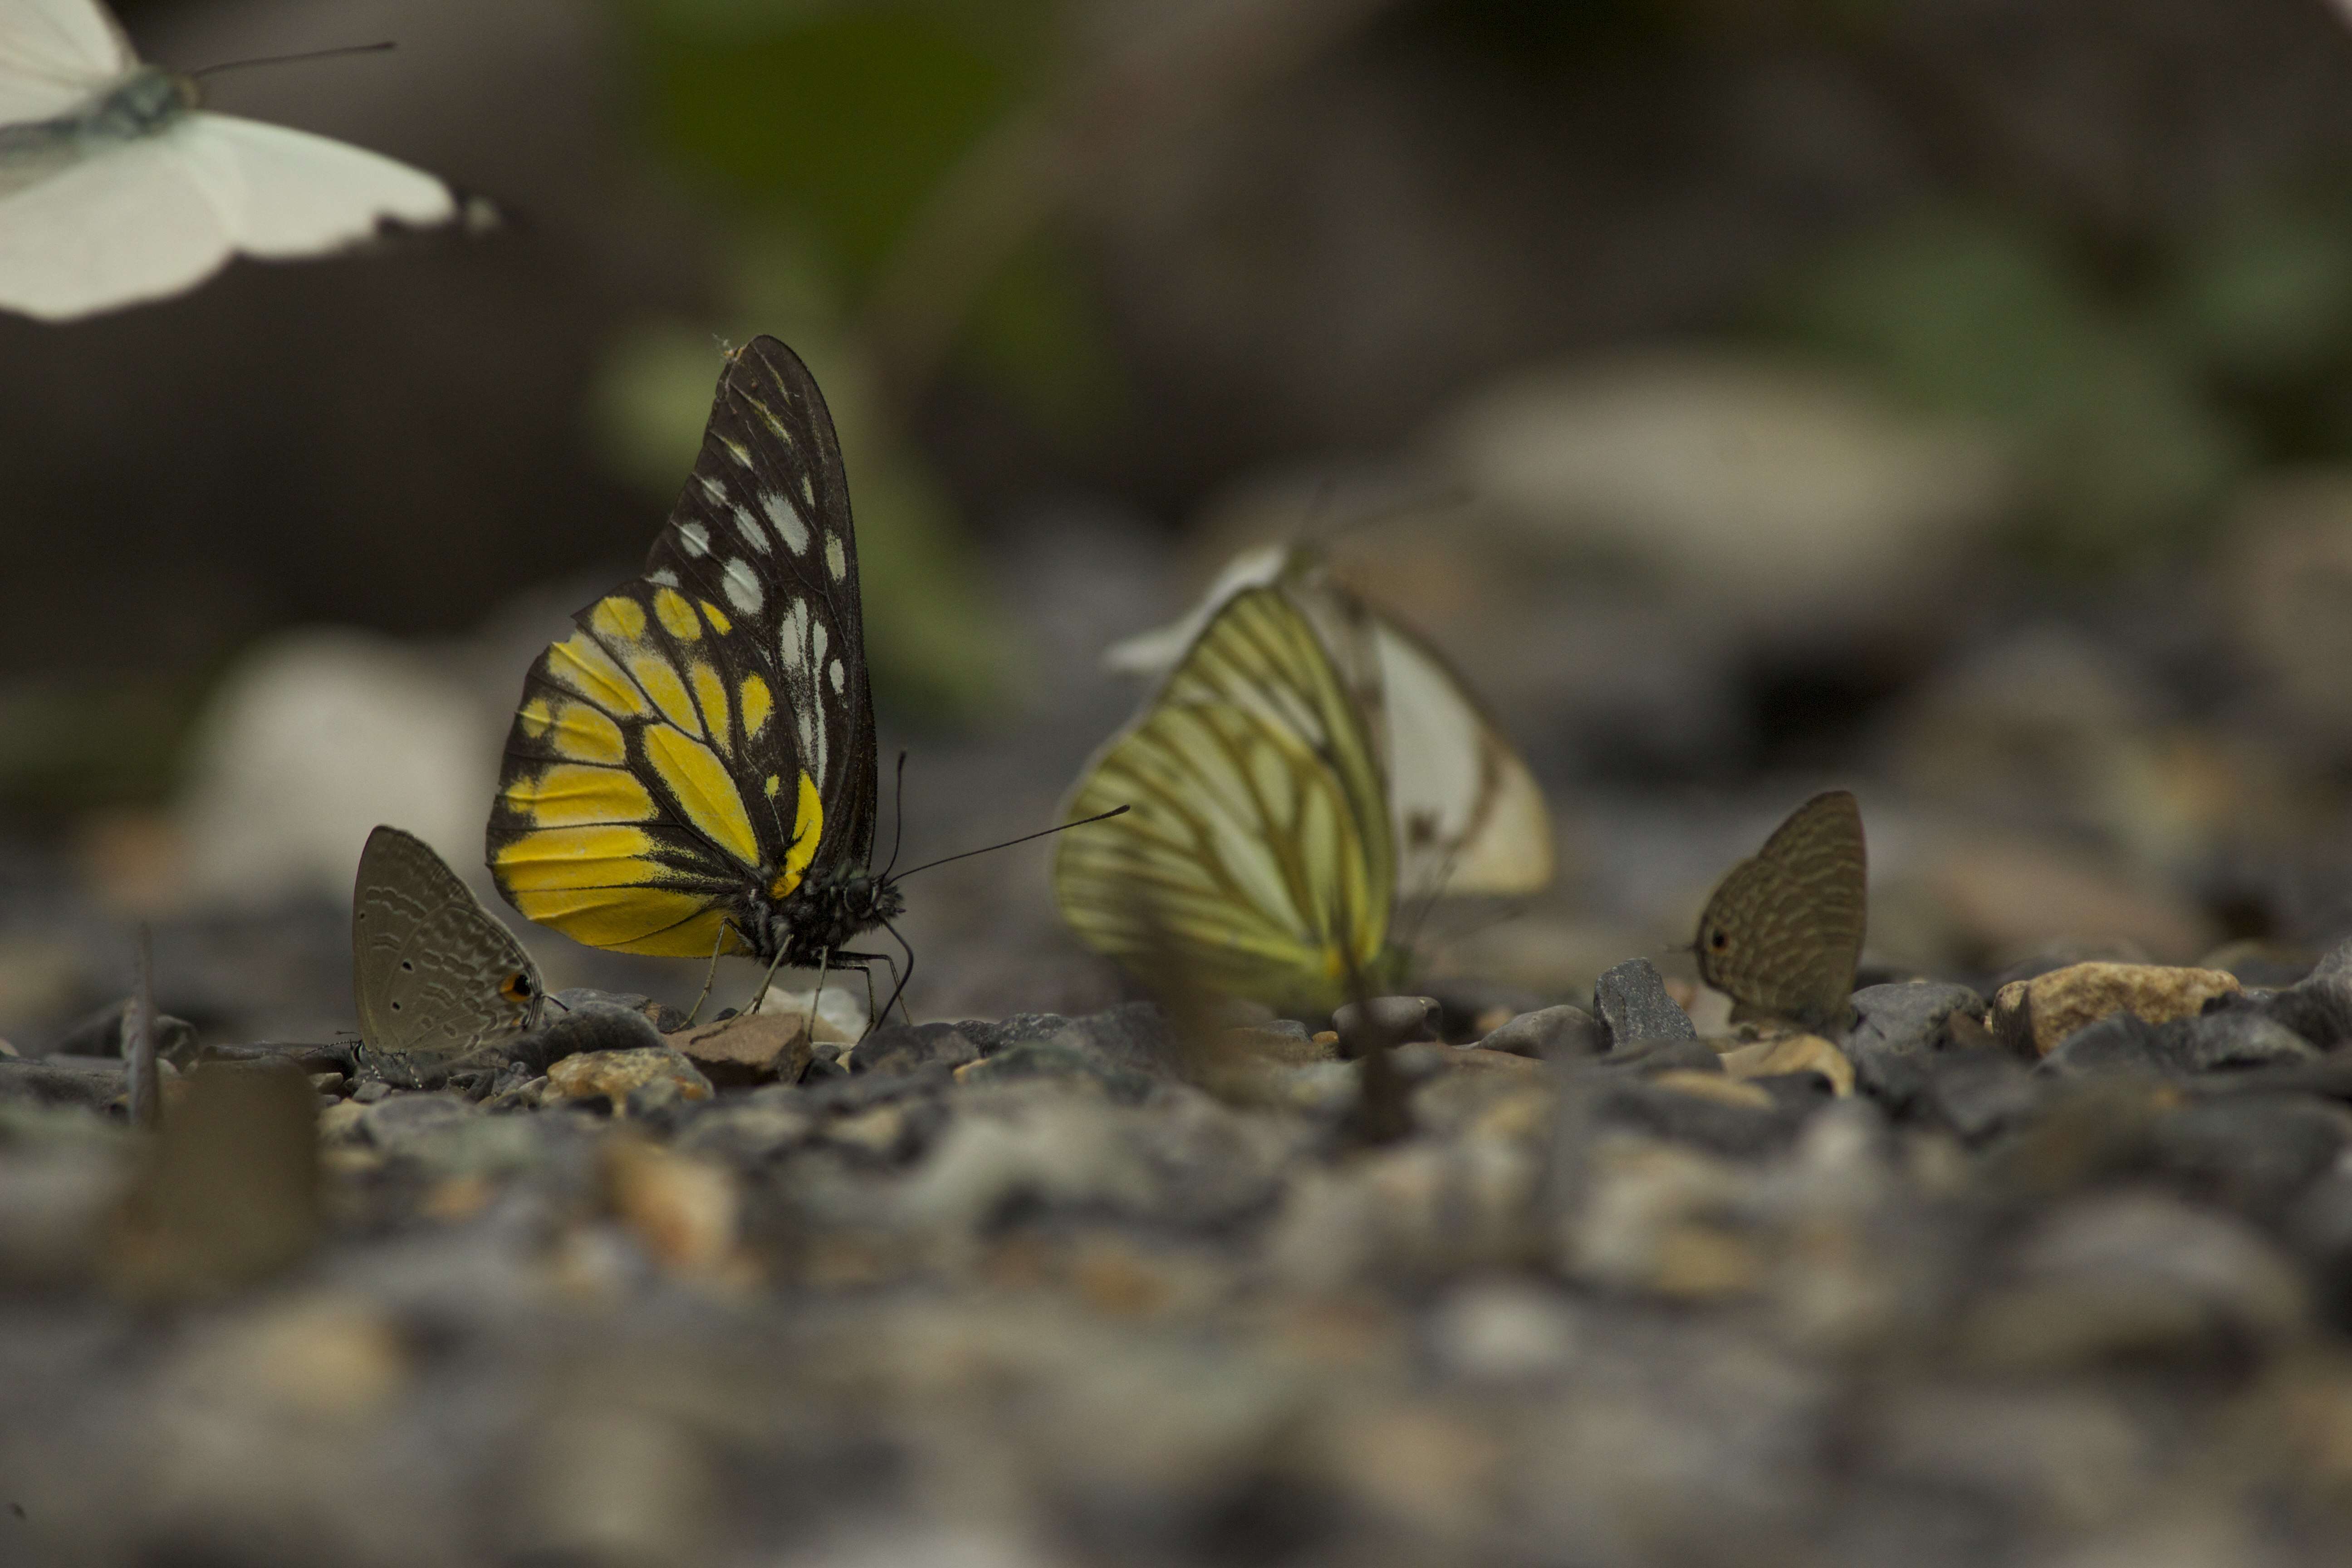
{"points": [[1023, 1291]]}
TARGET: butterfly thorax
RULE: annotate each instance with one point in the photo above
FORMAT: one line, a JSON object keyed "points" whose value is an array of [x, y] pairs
{"points": [[142, 103], [825, 913]]}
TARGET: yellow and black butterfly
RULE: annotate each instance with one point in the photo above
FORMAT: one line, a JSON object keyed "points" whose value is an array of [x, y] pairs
{"points": [[691, 772], [1259, 858]]}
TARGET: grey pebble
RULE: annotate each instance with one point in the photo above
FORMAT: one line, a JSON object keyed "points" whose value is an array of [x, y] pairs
{"points": [[1906, 1019], [1631, 1003], [1550, 1033]]}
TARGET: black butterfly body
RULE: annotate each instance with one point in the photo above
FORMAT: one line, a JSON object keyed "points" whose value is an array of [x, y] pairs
{"points": [[692, 771]]}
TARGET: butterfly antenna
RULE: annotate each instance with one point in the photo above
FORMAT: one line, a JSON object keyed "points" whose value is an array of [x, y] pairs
{"points": [[898, 826], [1102, 817], [376, 48]]}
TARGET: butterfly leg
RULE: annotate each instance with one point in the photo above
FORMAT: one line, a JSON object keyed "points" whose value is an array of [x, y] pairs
{"points": [[823, 964], [708, 974]]}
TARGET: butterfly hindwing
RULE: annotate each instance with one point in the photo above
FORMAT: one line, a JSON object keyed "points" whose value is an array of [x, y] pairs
{"points": [[435, 975], [692, 769], [1257, 858], [1467, 815], [1782, 933]]}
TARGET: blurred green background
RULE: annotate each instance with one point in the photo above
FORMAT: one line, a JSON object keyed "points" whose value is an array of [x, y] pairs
{"points": [[1134, 252]]}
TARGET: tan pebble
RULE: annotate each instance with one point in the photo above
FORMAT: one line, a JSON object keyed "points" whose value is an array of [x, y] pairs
{"points": [[1794, 1053], [1328, 1037], [611, 1075], [877, 1132], [1476, 1059], [1525, 1115], [748, 1050], [1117, 1283], [458, 1199], [340, 1123], [2036, 1015], [1700, 1262], [682, 1210], [1717, 1087]]}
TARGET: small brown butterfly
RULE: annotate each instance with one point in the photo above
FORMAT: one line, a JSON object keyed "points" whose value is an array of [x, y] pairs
{"points": [[1782, 933]]}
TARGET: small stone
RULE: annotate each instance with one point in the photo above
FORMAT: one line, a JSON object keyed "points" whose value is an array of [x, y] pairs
{"points": [[1284, 1047], [1070, 1054], [579, 998], [89, 1081], [1550, 1033], [591, 1027], [2035, 1015], [883, 1133], [1476, 1059], [1503, 1331], [1384, 1023], [2257, 1155], [1691, 1110], [1978, 1093], [1631, 1003], [836, 1014], [2134, 1274], [746, 1051], [896, 1051], [1907, 1017], [685, 1212], [1713, 1086], [403, 1118], [2227, 1037], [615, 1076], [1641, 1058], [1792, 1054]]}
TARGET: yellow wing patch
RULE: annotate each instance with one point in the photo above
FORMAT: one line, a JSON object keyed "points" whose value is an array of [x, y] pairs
{"points": [[617, 618], [676, 616], [571, 796], [580, 664], [584, 734], [808, 827], [663, 684], [711, 695], [755, 703], [699, 782]]}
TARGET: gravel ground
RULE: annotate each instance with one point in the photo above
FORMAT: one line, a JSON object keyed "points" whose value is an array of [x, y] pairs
{"points": [[2053, 1277]]}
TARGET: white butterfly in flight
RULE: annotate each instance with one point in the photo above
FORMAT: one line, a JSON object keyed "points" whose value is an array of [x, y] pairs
{"points": [[115, 188]]}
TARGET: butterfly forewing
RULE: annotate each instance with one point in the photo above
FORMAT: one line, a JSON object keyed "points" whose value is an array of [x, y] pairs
{"points": [[1782, 933], [1257, 858], [700, 750], [435, 977]]}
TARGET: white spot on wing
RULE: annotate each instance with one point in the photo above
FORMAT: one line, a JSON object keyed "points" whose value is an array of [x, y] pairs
{"points": [[749, 527], [787, 519], [800, 641], [711, 487], [837, 677], [665, 577], [836, 559], [742, 588], [695, 537]]}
